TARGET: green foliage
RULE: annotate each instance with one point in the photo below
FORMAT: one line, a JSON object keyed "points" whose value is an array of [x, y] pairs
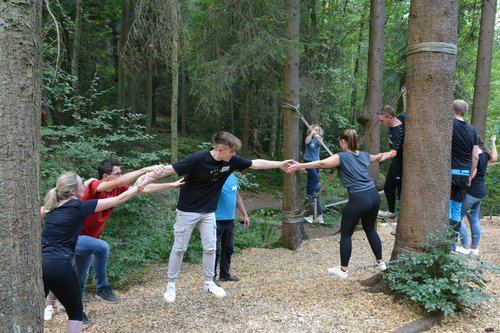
{"points": [[438, 281]]}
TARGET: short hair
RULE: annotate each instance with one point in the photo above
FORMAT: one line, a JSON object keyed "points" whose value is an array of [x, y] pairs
{"points": [[226, 139], [349, 135], [386, 111], [106, 167], [460, 107]]}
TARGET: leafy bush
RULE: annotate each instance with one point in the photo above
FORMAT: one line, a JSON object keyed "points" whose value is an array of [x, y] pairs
{"points": [[438, 281]]}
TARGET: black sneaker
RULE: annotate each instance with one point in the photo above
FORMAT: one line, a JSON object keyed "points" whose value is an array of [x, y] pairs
{"points": [[107, 295], [86, 320], [232, 278]]}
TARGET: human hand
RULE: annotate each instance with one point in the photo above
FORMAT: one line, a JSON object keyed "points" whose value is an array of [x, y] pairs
{"points": [[246, 221], [178, 183], [293, 166], [382, 157], [493, 138], [403, 90], [158, 169], [143, 181], [285, 164]]}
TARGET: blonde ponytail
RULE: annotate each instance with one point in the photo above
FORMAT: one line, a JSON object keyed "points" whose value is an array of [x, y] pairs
{"points": [[66, 187]]}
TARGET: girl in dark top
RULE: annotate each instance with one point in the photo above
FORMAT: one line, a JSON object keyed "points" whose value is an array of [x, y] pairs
{"points": [[64, 214], [364, 200], [475, 195]]}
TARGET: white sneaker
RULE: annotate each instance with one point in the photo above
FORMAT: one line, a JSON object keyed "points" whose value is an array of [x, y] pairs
{"points": [[169, 295], [382, 266], [309, 219], [474, 252], [48, 312], [320, 219], [382, 213], [338, 272], [461, 250], [211, 287]]}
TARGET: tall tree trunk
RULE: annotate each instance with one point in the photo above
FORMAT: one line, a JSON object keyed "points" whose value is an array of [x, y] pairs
{"points": [[21, 296], [231, 110], [274, 123], [76, 54], [245, 138], [149, 96], [373, 95], [483, 67], [124, 24], [430, 81], [175, 78], [293, 232], [183, 103], [354, 93]]}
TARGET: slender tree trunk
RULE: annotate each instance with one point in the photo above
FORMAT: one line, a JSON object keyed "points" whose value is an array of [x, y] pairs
{"points": [[373, 94], [76, 54], [275, 109], [245, 138], [483, 67], [149, 96], [293, 232], [21, 295], [175, 79], [430, 81], [354, 93], [124, 24], [132, 90], [231, 110], [183, 103]]}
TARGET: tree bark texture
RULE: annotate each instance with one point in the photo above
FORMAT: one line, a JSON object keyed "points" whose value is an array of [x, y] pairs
{"points": [[175, 80], [76, 43], [483, 67], [293, 232], [149, 95], [245, 137], [373, 95], [21, 290], [124, 25], [430, 83]]}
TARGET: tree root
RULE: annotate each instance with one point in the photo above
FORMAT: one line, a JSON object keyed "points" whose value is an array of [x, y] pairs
{"points": [[420, 325]]}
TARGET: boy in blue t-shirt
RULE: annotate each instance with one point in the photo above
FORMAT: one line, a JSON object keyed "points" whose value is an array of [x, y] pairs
{"points": [[229, 199]]}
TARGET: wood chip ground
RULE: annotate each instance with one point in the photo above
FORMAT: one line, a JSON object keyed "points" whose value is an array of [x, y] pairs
{"points": [[283, 291]]}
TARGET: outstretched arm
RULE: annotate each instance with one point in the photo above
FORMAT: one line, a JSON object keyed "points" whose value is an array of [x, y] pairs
{"points": [[377, 158], [266, 164], [129, 177], [329, 162], [157, 187], [494, 153], [243, 210], [103, 204], [388, 155]]}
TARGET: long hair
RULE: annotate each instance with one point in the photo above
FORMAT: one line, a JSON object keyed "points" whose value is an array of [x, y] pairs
{"points": [[313, 126], [66, 186], [349, 135]]}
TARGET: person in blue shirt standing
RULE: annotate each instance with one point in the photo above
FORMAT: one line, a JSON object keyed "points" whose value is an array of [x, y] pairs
{"points": [[228, 201], [313, 140]]}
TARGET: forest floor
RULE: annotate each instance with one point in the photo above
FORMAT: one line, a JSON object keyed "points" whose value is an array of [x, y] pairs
{"points": [[282, 290]]}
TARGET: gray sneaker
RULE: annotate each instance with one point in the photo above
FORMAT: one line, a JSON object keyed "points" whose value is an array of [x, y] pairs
{"points": [[86, 320], [107, 295]]}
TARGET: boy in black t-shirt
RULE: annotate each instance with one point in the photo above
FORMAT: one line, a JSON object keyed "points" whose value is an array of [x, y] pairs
{"points": [[464, 158], [205, 172]]}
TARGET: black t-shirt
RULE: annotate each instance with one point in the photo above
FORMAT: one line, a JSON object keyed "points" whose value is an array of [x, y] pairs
{"points": [[62, 227], [463, 141], [396, 139], [477, 187], [204, 178]]}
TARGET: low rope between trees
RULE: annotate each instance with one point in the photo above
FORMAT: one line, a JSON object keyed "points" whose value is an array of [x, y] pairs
{"points": [[432, 47]]}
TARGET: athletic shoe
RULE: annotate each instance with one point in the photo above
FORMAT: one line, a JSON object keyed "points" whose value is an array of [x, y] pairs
{"points": [[211, 287], [48, 312], [320, 219], [461, 250], [60, 308], [86, 320], [382, 213], [382, 266], [338, 272], [107, 295], [474, 252], [216, 282], [309, 219], [169, 295], [232, 278]]}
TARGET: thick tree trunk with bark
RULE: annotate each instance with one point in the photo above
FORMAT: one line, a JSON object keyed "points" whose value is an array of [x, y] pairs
{"points": [[373, 94], [483, 67], [293, 232], [21, 289], [430, 82], [174, 64]]}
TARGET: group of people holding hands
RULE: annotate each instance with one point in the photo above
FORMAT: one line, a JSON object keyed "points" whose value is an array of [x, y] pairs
{"points": [[75, 213]]}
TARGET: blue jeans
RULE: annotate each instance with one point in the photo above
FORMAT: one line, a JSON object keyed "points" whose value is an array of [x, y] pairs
{"points": [[89, 249], [471, 207], [225, 247], [313, 186]]}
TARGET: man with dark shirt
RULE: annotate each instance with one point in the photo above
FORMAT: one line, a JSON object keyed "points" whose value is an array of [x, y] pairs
{"points": [[394, 176], [464, 158], [205, 173]]}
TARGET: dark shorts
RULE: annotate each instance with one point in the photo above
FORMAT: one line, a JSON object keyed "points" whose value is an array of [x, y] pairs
{"points": [[459, 186]]}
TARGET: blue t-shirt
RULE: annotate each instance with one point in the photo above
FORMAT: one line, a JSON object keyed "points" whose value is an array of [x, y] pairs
{"points": [[312, 150], [203, 180], [353, 171], [477, 187], [227, 200]]}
